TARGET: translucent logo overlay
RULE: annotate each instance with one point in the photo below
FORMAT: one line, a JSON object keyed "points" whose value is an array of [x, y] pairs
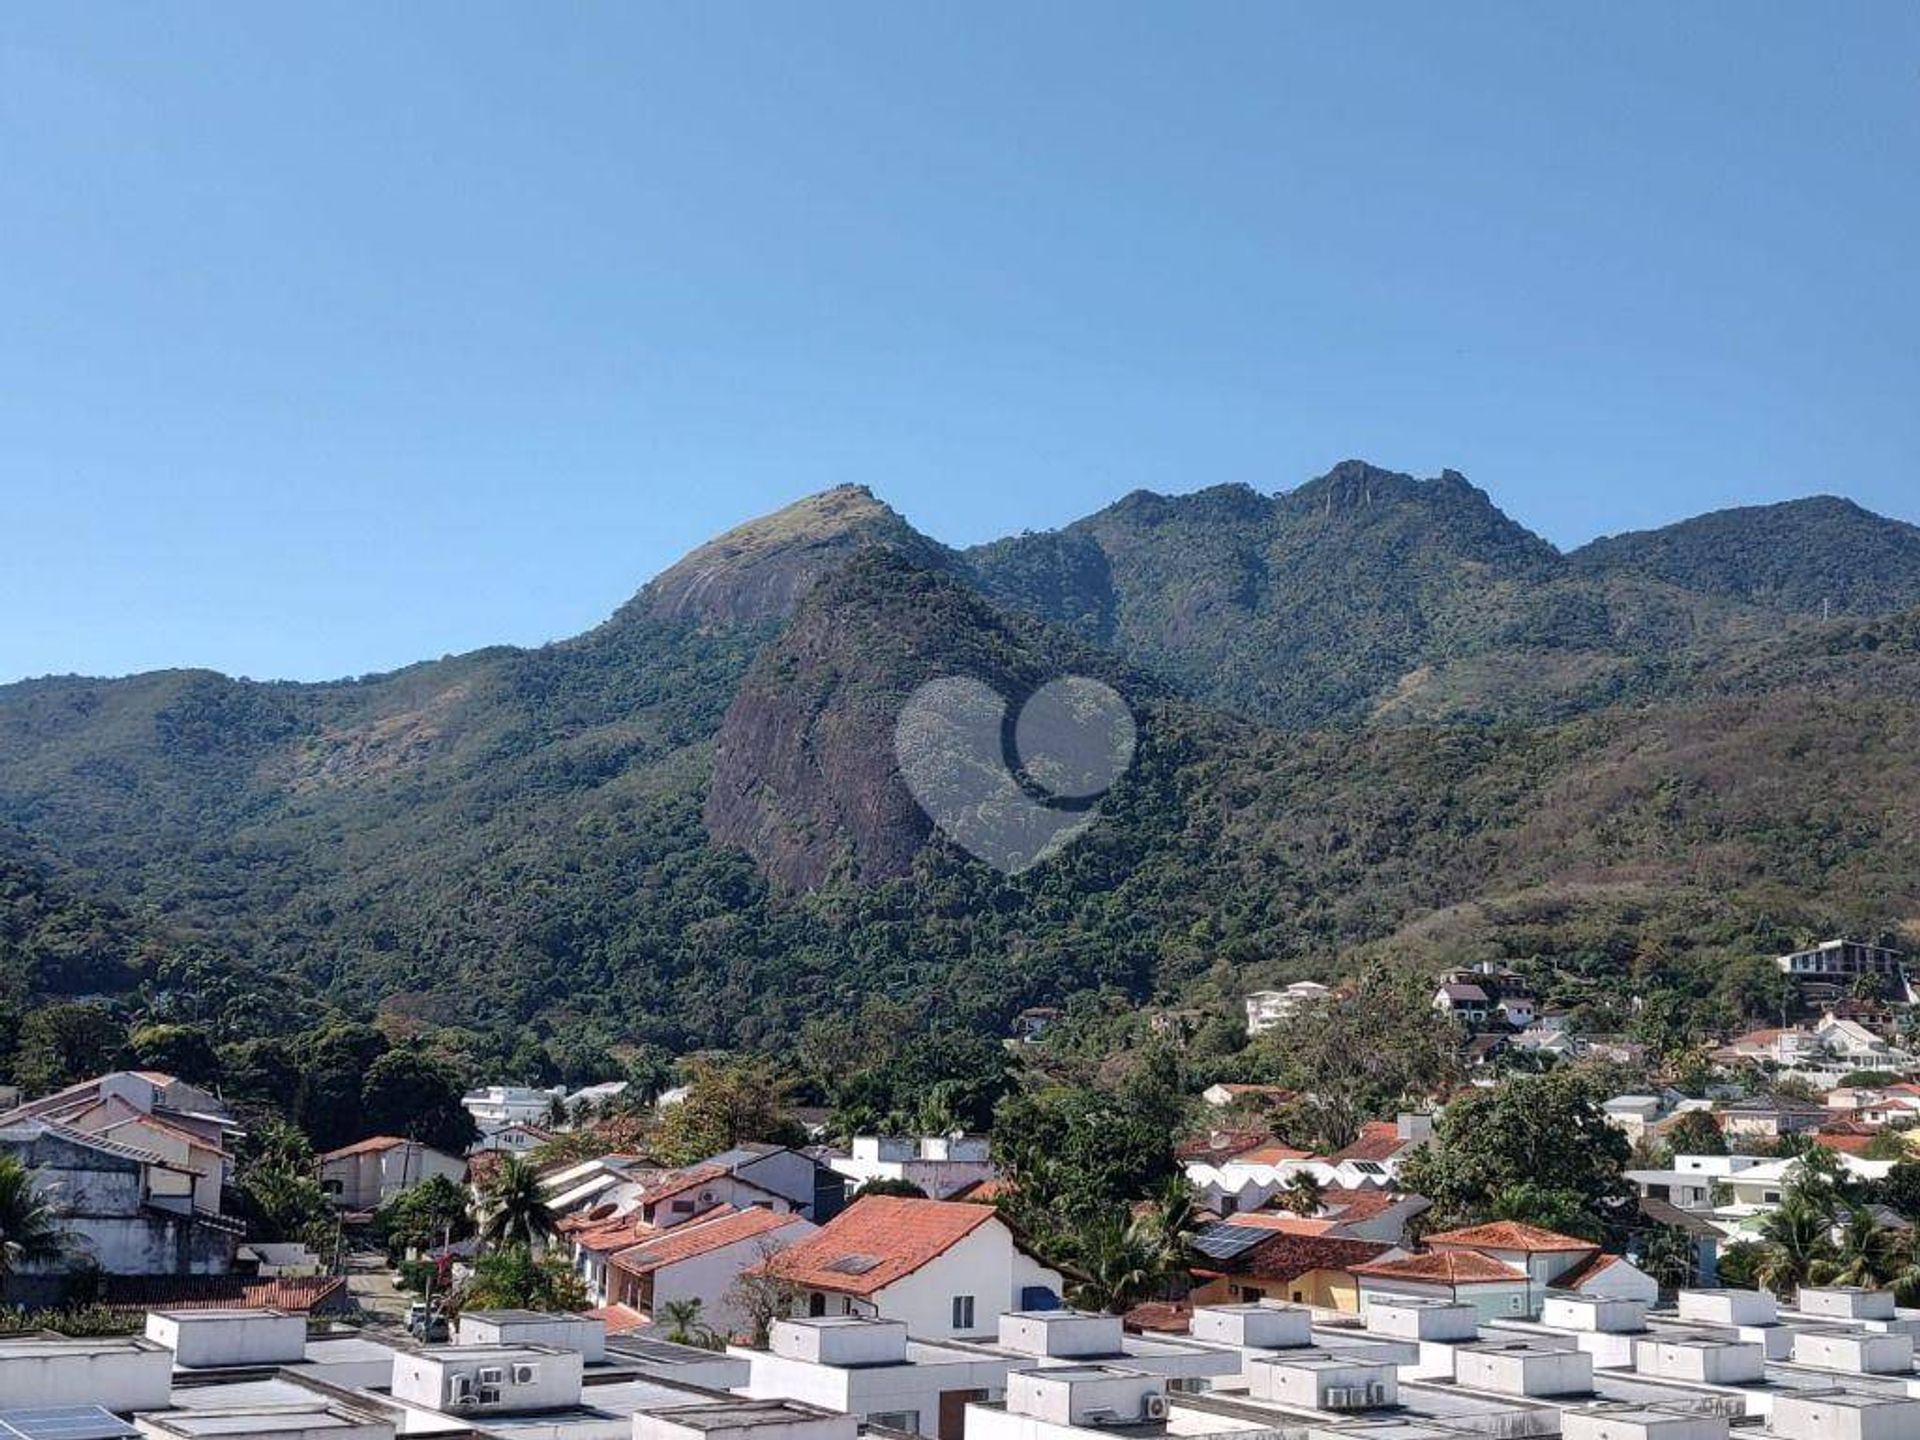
{"points": [[1010, 786]]}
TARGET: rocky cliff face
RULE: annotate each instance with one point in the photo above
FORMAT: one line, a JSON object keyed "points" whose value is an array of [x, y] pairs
{"points": [[760, 571]]}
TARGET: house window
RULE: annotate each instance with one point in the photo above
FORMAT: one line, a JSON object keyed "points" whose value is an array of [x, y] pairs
{"points": [[816, 1305], [1229, 1204], [963, 1313], [907, 1420]]}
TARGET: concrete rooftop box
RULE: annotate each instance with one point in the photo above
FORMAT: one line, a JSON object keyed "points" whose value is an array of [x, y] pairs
{"points": [[1061, 1334], [211, 1338], [1640, 1422], [118, 1374], [745, 1420], [1702, 1359], [1323, 1381], [319, 1421], [1857, 1352], [681, 1364], [581, 1333], [1594, 1314], [840, 1340], [1523, 1368], [1729, 1307], [1845, 1302], [1842, 1415], [1408, 1317], [1086, 1395], [1257, 1327], [474, 1380]]}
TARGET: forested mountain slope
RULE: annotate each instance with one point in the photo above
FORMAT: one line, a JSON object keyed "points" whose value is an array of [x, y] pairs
{"points": [[1379, 723]]}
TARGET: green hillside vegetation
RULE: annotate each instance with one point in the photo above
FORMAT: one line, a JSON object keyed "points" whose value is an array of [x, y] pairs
{"points": [[1382, 728]]}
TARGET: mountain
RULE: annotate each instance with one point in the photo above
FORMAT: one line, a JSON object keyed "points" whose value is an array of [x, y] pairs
{"points": [[1804, 557], [1379, 723], [759, 571]]}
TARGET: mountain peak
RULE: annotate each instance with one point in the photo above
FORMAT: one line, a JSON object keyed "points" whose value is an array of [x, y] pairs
{"points": [[759, 570]]}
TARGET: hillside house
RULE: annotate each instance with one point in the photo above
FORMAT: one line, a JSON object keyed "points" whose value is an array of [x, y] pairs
{"points": [[1267, 1008], [941, 1165], [947, 1269], [363, 1176], [700, 1260]]}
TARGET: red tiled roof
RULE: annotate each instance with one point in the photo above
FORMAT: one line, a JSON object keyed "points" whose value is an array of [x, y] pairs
{"points": [[1219, 1144], [297, 1293], [1272, 1152], [1849, 1139], [674, 1182], [698, 1237], [619, 1319], [1448, 1267], [365, 1147], [1378, 1140], [1160, 1317], [1586, 1270], [1287, 1257], [1509, 1235], [983, 1192], [875, 1241]]}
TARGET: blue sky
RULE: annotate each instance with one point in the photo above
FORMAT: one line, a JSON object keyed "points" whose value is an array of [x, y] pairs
{"points": [[336, 337]]}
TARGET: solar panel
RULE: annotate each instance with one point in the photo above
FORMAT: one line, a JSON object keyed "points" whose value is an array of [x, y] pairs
{"points": [[854, 1264], [1224, 1241], [64, 1422]]}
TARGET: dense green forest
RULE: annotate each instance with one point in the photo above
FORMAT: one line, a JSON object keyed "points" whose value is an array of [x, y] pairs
{"points": [[1382, 728]]}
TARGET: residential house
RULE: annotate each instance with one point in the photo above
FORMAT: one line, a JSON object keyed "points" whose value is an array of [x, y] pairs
{"points": [[1267, 1008], [128, 1210], [1768, 1117], [1033, 1022], [1246, 1264], [940, 1165], [185, 1125], [946, 1268], [518, 1138], [495, 1106], [701, 1260], [1506, 1269], [806, 1180], [1485, 994], [1464, 1001], [1838, 963], [362, 1177]]}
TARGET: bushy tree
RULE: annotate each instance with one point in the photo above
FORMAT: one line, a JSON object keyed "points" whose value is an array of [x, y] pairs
{"points": [[183, 1050], [1538, 1148], [513, 1277], [31, 1227], [407, 1094], [63, 1043], [730, 1102]]}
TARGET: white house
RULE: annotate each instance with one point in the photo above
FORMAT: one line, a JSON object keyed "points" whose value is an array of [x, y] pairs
{"points": [[872, 1369], [1267, 1008], [493, 1106], [938, 1164], [367, 1174], [700, 1260], [946, 1268], [517, 1138]]}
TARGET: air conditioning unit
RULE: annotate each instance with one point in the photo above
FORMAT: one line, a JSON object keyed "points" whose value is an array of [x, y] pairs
{"points": [[1153, 1407], [1343, 1397], [525, 1374], [492, 1375]]}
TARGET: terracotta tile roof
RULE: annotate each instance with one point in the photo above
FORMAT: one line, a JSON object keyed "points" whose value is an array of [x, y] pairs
{"points": [[1273, 1152], [1160, 1317], [608, 1237], [299, 1293], [1849, 1139], [1443, 1267], [1586, 1270], [699, 1237], [676, 1182], [1281, 1221], [875, 1241], [1219, 1144], [367, 1146], [1509, 1235], [1350, 1207], [1287, 1257], [619, 1319], [983, 1192], [1378, 1140]]}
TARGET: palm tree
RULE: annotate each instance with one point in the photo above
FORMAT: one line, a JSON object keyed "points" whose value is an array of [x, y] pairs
{"points": [[1798, 1246], [1304, 1194], [1867, 1251], [1117, 1264], [513, 1207], [684, 1327], [30, 1228]]}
